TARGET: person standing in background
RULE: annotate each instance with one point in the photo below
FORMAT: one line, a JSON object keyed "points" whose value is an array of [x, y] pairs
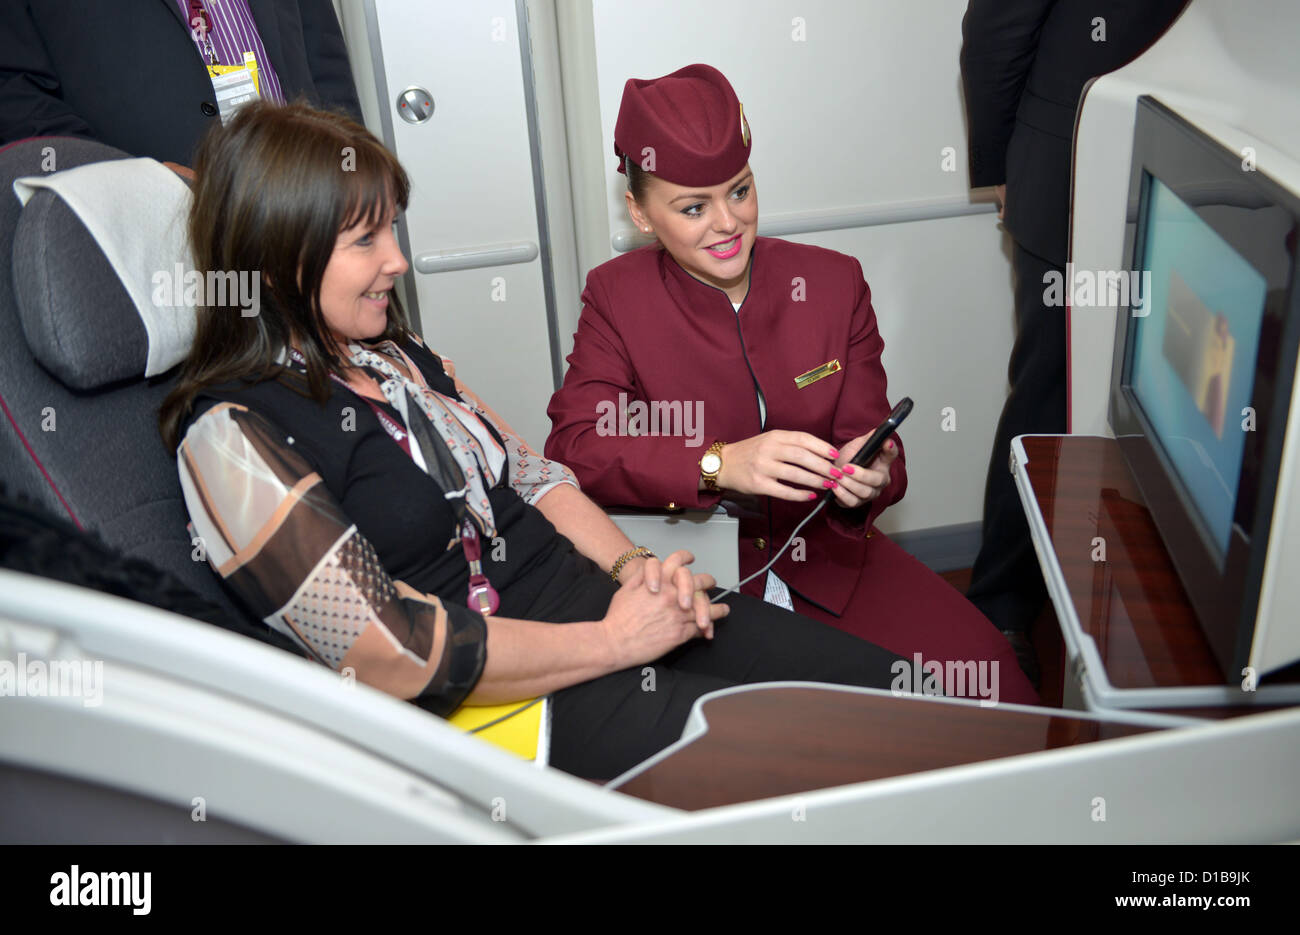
{"points": [[1024, 66], [135, 74]]}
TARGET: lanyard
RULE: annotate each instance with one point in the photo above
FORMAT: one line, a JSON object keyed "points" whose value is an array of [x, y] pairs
{"points": [[200, 22], [482, 596], [395, 431]]}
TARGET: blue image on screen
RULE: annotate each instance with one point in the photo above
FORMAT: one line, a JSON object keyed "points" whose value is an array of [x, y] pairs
{"points": [[1193, 365]]}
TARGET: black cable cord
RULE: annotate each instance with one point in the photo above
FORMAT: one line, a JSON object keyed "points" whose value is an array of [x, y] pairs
{"points": [[507, 716]]}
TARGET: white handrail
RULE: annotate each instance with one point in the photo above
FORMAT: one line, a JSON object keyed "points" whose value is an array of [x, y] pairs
{"points": [[499, 254], [828, 219]]}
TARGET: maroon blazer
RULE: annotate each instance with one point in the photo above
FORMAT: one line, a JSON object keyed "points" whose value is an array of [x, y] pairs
{"points": [[653, 332]]}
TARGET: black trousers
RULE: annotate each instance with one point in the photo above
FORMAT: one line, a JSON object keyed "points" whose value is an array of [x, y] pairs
{"points": [[604, 727], [1006, 582]]}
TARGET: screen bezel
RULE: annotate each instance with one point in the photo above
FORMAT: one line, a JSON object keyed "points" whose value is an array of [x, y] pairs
{"points": [[1223, 588]]}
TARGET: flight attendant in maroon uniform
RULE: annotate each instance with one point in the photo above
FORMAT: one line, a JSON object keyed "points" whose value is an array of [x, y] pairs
{"points": [[775, 346]]}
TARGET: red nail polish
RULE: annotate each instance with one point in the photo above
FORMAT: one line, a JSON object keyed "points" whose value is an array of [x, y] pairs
{"points": [[836, 473], [812, 496], [834, 453], [829, 484], [848, 469]]}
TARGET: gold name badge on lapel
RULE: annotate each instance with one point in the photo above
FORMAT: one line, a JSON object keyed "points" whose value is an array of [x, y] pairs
{"points": [[817, 373]]}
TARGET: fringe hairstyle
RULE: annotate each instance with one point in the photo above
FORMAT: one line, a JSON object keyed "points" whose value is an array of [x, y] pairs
{"points": [[273, 189]]}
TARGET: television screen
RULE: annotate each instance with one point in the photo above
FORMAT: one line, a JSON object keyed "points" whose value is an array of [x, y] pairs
{"points": [[1194, 355], [1205, 363]]}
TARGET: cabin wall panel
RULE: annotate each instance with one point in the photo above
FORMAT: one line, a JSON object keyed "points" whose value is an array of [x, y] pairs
{"points": [[852, 106]]}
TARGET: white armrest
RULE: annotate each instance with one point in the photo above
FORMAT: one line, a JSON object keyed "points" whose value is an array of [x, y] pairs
{"points": [[713, 537]]}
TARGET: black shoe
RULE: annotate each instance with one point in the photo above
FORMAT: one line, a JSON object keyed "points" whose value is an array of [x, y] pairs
{"points": [[1025, 655]]}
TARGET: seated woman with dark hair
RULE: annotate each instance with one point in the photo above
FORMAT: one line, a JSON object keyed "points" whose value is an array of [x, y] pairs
{"points": [[357, 497]]}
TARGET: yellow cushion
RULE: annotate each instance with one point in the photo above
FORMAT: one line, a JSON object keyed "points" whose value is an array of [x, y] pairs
{"points": [[519, 734]]}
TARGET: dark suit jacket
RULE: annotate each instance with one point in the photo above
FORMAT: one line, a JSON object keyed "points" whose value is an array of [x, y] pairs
{"points": [[127, 73], [1024, 65]]}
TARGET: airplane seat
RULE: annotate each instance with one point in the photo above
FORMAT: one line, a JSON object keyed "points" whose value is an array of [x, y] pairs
{"points": [[80, 434]]}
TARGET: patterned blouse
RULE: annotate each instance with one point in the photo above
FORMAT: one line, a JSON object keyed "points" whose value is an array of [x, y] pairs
{"points": [[328, 532]]}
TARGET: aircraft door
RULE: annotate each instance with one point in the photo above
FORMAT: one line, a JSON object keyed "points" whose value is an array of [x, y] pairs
{"points": [[454, 90]]}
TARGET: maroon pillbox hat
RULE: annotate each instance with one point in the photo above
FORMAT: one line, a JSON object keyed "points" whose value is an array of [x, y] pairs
{"points": [[691, 121]]}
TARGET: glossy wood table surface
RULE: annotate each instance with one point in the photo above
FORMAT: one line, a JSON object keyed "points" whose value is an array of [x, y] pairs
{"points": [[1132, 604], [784, 741], [781, 741]]}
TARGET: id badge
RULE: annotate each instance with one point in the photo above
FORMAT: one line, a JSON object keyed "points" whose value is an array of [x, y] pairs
{"points": [[234, 85]]}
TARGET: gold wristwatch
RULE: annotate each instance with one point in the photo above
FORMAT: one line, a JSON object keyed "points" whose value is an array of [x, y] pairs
{"points": [[711, 466]]}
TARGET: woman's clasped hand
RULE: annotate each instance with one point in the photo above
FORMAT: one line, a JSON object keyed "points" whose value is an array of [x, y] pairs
{"points": [[659, 606]]}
